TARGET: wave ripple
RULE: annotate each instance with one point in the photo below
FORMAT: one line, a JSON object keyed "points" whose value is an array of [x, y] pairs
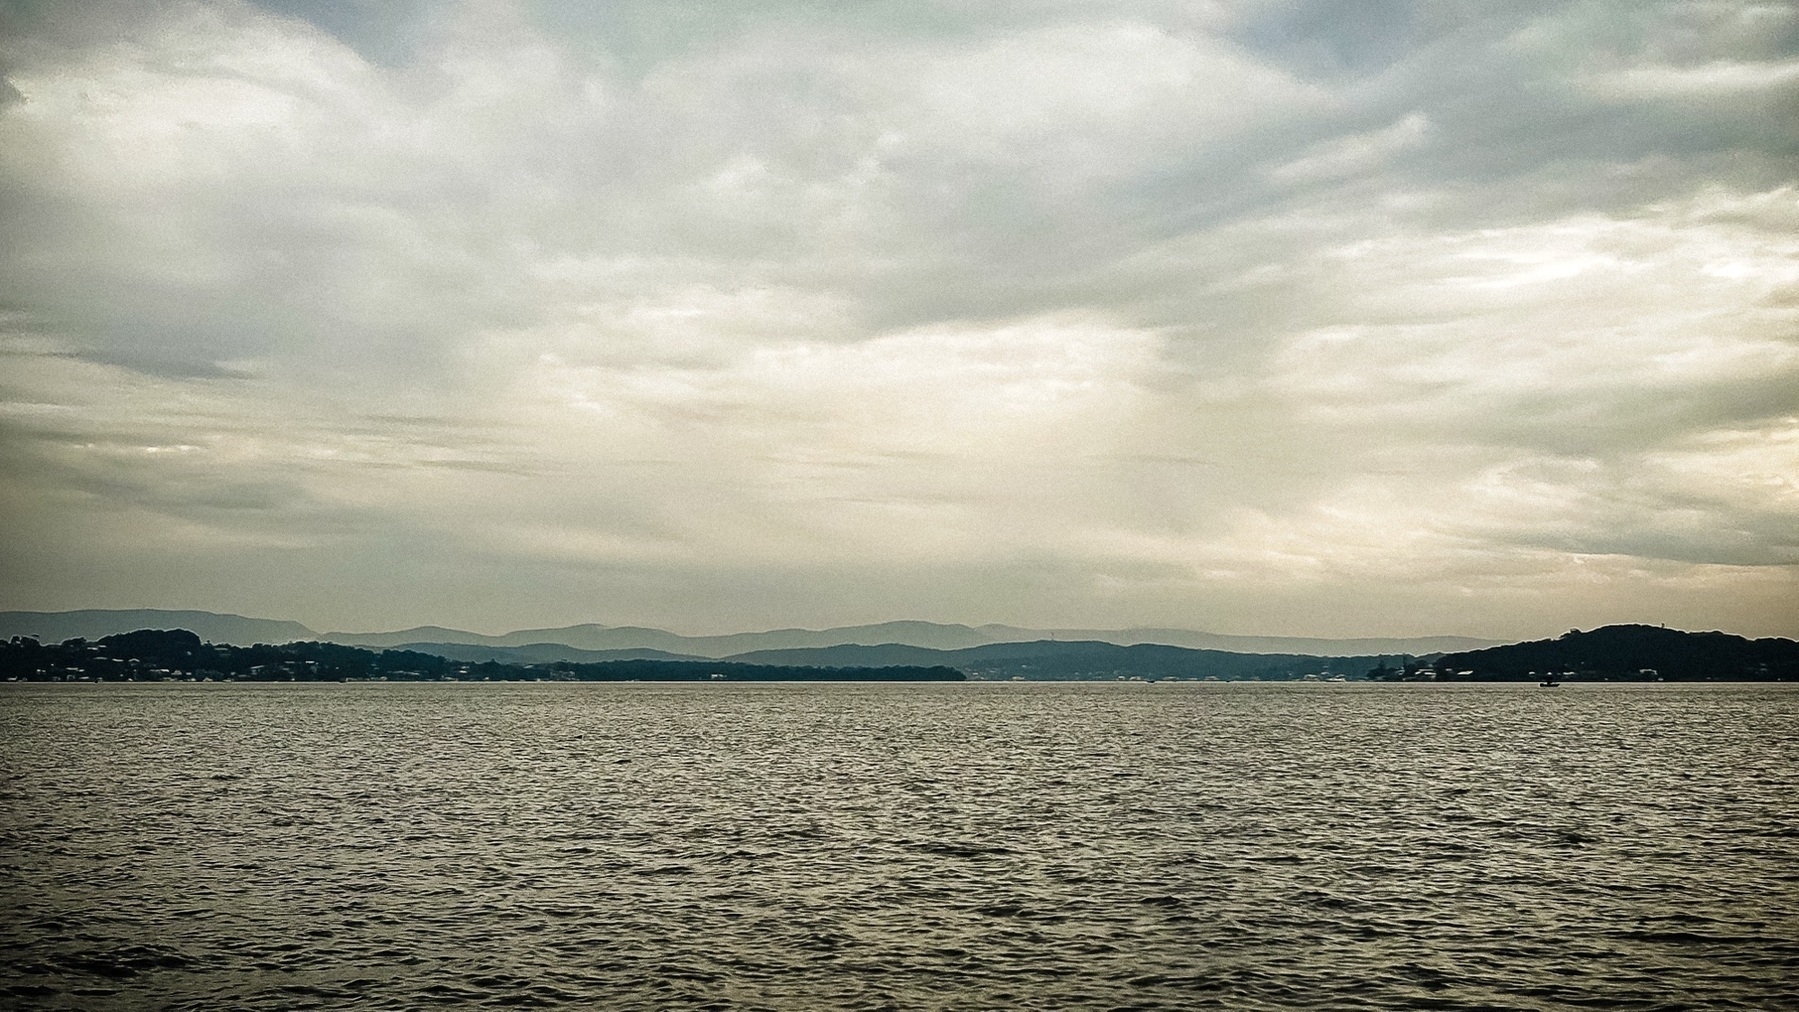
{"points": [[936, 846]]}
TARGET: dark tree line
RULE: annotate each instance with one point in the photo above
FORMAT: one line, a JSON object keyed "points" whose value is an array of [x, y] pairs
{"points": [[158, 655], [1630, 653]]}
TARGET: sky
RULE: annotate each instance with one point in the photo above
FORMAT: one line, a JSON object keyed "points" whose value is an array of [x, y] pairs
{"points": [[1278, 317]]}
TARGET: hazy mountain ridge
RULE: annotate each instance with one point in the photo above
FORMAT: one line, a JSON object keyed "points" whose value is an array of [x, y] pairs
{"points": [[1037, 659], [1308, 645], [642, 641], [594, 637], [1081, 659], [539, 653], [94, 623]]}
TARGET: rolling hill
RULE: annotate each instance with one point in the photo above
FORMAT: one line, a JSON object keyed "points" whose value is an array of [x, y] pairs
{"points": [[636, 641]]}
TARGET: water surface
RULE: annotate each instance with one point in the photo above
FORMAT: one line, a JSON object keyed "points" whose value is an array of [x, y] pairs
{"points": [[940, 846]]}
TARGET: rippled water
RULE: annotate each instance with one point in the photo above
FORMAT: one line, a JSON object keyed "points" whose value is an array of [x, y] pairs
{"points": [[1045, 846]]}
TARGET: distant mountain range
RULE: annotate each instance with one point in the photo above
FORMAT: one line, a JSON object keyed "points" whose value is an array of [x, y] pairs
{"points": [[1610, 653], [1033, 660], [598, 642]]}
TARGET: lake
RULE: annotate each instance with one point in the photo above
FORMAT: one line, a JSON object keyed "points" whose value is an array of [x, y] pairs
{"points": [[904, 846]]}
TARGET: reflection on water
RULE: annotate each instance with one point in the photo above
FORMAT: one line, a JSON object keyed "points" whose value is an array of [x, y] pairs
{"points": [[1044, 846]]}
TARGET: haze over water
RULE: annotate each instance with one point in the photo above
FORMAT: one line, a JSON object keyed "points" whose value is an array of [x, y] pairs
{"points": [[1043, 846]]}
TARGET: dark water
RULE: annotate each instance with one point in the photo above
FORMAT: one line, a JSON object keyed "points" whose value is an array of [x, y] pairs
{"points": [[1058, 846]]}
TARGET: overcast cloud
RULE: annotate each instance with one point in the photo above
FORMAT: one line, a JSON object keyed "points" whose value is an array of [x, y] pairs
{"points": [[1252, 316]]}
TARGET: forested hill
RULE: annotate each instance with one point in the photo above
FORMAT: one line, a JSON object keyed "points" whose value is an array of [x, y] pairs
{"points": [[1630, 653], [151, 655], [1613, 653], [158, 655], [1056, 660]]}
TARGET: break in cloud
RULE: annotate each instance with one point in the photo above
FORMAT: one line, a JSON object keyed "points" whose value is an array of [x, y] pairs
{"points": [[1256, 316]]}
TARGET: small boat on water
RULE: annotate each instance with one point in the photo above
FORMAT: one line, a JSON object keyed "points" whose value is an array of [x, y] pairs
{"points": [[1549, 683]]}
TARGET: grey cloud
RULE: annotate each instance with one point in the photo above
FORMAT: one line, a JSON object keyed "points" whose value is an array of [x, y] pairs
{"points": [[984, 241], [1620, 513], [594, 289]]}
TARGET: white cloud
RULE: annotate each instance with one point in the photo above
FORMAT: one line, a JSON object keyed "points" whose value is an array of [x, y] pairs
{"points": [[1718, 79], [1357, 153], [1100, 81]]}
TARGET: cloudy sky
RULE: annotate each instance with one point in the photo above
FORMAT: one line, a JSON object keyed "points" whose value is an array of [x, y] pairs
{"points": [[1254, 316]]}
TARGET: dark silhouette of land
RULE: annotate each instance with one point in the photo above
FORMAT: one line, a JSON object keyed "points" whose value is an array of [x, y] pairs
{"points": [[598, 642], [148, 655], [1056, 660], [1629, 653], [159, 655], [1614, 653]]}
